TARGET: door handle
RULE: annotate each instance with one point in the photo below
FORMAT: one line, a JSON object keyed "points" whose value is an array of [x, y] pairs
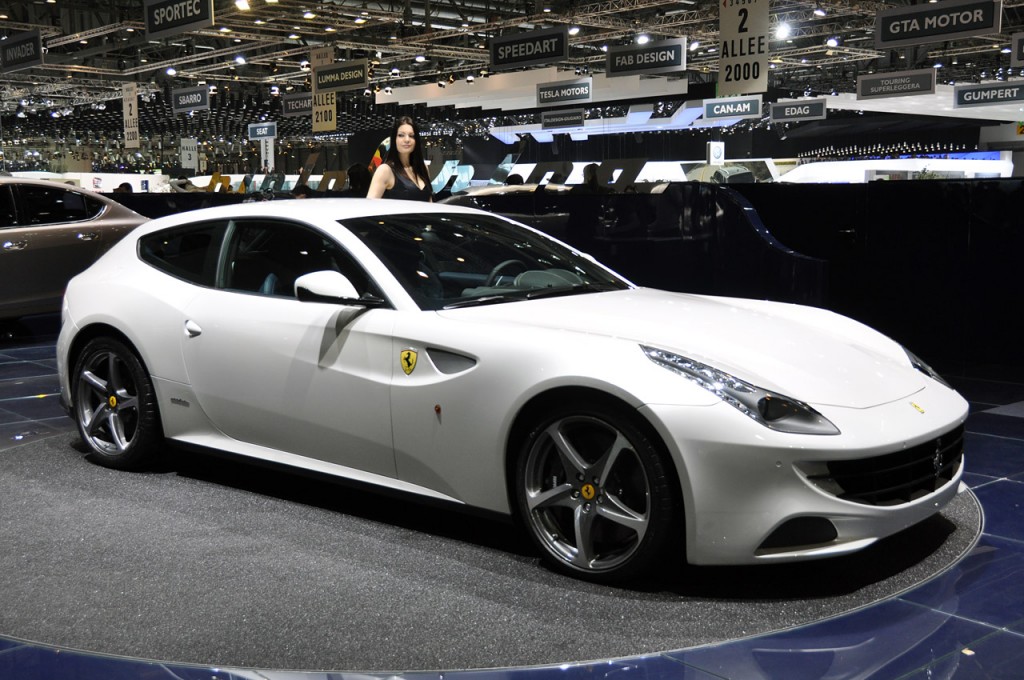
{"points": [[192, 329], [88, 236], [15, 245]]}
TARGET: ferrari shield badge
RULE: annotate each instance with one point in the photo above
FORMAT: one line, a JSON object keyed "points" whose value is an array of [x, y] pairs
{"points": [[408, 360]]}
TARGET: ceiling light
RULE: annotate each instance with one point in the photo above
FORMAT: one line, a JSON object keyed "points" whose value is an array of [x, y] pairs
{"points": [[293, 36], [309, 15], [694, 45], [440, 83], [1006, 50], [469, 79], [359, 20], [387, 89], [420, 58], [574, 30], [395, 71], [171, 71], [783, 31], [819, 11], [937, 64], [329, 29], [832, 42], [643, 39], [224, 29], [242, 5], [239, 60]]}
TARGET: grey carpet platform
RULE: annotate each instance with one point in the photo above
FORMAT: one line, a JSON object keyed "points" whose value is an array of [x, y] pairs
{"points": [[219, 563]]}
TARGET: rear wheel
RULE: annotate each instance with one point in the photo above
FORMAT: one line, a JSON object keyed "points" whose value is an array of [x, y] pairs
{"points": [[595, 493], [115, 405]]}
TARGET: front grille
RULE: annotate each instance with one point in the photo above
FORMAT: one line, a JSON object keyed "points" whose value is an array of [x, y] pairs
{"points": [[895, 478]]}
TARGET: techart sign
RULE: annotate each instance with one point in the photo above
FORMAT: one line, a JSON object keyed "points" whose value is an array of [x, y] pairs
{"points": [[804, 109], [298, 104], [987, 95], [22, 50], [528, 49], [732, 107], [901, 84], [666, 56], [190, 99], [171, 17], [581, 90], [947, 20]]}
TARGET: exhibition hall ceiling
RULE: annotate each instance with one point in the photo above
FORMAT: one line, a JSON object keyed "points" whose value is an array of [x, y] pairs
{"points": [[255, 51]]}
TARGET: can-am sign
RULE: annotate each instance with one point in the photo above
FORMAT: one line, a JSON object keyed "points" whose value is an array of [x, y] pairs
{"points": [[916, 24], [732, 107], [171, 17]]}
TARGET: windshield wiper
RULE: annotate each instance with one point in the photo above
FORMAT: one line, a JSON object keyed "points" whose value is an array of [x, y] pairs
{"points": [[574, 289], [486, 300]]}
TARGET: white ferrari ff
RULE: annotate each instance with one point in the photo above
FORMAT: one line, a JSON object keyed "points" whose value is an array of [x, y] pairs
{"points": [[455, 354]]}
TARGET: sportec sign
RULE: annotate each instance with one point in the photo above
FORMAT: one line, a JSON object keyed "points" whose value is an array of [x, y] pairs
{"points": [[947, 20], [22, 50], [527, 49], [171, 17], [987, 95], [666, 56]]}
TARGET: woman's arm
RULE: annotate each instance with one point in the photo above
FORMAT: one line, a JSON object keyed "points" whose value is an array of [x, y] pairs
{"points": [[382, 180]]}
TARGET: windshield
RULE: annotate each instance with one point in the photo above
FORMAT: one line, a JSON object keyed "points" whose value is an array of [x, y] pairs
{"points": [[449, 260]]}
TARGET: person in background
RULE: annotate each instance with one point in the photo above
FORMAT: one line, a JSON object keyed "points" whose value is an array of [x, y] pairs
{"points": [[303, 191], [591, 185], [184, 185], [358, 181], [123, 188], [514, 180], [403, 174]]}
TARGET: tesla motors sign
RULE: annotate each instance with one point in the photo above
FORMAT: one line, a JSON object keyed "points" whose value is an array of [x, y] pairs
{"points": [[22, 50], [170, 17], [947, 20], [527, 49], [581, 90]]}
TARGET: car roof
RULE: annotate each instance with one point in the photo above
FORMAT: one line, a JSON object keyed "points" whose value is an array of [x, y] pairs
{"points": [[8, 179]]}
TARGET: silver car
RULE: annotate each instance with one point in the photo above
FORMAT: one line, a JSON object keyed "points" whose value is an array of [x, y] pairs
{"points": [[48, 233]]}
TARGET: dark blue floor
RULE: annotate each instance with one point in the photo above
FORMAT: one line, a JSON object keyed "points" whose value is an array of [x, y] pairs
{"points": [[965, 624]]}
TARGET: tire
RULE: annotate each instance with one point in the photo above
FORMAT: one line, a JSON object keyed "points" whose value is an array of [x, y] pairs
{"points": [[115, 406], [595, 493]]}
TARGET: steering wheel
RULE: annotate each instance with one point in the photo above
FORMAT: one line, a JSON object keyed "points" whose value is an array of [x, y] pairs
{"points": [[500, 267]]}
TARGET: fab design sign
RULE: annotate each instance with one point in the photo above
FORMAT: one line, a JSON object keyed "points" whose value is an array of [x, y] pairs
{"points": [[190, 99], [743, 47], [902, 84], [947, 20], [22, 50], [171, 17], [666, 56], [581, 90], [806, 109], [732, 107], [986, 95], [527, 49]]}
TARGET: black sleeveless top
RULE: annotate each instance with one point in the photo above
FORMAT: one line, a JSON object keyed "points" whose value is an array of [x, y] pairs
{"points": [[406, 189]]}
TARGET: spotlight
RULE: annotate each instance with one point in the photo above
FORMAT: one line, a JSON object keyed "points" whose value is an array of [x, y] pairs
{"points": [[440, 83], [367, 92], [643, 39], [420, 58], [694, 45], [469, 79], [783, 31], [819, 11], [239, 60], [387, 89], [242, 5], [171, 71], [574, 30], [395, 71], [832, 42], [274, 90], [304, 65]]}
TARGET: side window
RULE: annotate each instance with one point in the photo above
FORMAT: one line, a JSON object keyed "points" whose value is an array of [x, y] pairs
{"points": [[265, 257], [188, 253], [54, 205], [8, 216]]}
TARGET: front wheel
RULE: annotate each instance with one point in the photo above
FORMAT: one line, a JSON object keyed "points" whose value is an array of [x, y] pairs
{"points": [[595, 493], [115, 405]]}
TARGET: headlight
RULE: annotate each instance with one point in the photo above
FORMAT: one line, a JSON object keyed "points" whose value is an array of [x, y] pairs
{"points": [[916, 362], [774, 411]]}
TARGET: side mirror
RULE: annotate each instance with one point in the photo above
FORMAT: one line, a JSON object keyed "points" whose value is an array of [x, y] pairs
{"points": [[333, 287]]}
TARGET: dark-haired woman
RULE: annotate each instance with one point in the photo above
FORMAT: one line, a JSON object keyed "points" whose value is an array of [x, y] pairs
{"points": [[403, 174]]}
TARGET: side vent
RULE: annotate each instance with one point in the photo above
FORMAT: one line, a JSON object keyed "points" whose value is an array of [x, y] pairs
{"points": [[450, 362]]}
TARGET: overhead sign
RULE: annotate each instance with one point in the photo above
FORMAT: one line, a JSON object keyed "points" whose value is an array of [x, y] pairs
{"points": [[1017, 50], [572, 118], [130, 108], [298, 104], [21, 50], [987, 95], [947, 20], [527, 49], [732, 107], [743, 47], [348, 75], [325, 104], [581, 90], [716, 153], [262, 130], [665, 56], [190, 153], [171, 17], [900, 84], [804, 109], [190, 99]]}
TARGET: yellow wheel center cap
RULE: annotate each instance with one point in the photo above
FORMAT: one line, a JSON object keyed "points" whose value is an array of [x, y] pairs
{"points": [[112, 400], [588, 492]]}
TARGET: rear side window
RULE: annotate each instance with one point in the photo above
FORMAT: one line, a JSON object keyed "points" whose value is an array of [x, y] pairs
{"points": [[188, 253], [55, 205]]}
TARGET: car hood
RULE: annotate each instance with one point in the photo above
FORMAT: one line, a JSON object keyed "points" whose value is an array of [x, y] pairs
{"points": [[806, 353]]}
